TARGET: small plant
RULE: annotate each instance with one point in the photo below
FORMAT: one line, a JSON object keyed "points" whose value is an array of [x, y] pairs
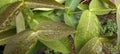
{"points": [[59, 26]]}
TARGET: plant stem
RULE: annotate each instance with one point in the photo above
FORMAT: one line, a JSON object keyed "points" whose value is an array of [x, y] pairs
{"points": [[72, 44]]}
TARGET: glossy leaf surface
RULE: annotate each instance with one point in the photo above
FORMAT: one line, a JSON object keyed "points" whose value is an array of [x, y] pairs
{"points": [[43, 4], [98, 7], [88, 28], [21, 43]]}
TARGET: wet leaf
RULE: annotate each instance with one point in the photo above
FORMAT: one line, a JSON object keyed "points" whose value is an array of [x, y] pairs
{"points": [[5, 36], [98, 7], [50, 31], [88, 28], [9, 14], [62, 45], [94, 46], [43, 4], [21, 43]]}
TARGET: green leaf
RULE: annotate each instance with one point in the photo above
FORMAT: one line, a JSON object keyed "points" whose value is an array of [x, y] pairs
{"points": [[98, 7], [29, 17], [62, 45], [9, 14], [32, 19], [20, 23], [21, 43], [72, 4], [5, 36], [70, 20], [43, 4], [83, 6], [51, 31], [88, 28], [49, 14], [94, 46]]}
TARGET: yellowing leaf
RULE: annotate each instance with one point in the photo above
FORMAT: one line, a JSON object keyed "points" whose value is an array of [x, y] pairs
{"points": [[98, 7], [21, 43], [50, 31], [43, 4], [88, 28]]}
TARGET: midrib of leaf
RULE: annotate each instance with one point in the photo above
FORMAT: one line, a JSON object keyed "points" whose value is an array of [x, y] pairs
{"points": [[95, 44], [72, 3], [17, 8], [88, 25], [96, 10]]}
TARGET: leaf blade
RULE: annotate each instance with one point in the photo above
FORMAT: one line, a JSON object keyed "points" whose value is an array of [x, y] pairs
{"points": [[94, 46], [87, 28], [22, 43], [43, 4], [51, 31], [9, 13], [99, 8]]}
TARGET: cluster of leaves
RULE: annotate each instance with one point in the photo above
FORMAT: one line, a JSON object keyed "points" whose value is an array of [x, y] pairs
{"points": [[66, 26]]}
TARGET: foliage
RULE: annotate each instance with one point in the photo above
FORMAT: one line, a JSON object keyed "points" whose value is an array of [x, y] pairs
{"points": [[59, 26]]}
